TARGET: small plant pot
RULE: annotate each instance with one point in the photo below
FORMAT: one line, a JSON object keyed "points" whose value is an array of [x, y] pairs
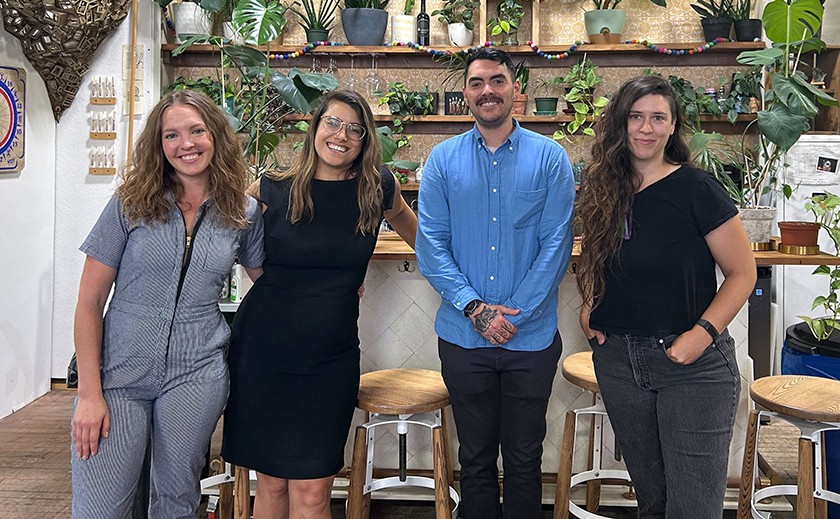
{"points": [[714, 28], [747, 30], [799, 237], [519, 102], [459, 35], [510, 39], [545, 104], [758, 222], [314, 35], [605, 25], [403, 28]]}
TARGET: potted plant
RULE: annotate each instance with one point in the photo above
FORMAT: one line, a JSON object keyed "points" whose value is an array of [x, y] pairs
{"points": [[791, 101], [264, 96], [510, 13], [316, 23], [581, 82], [715, 18], [208, 86], [520, 98], [544, 104], [458, 15], [746, 28], [826, 209], [403, 103], [605, 23], [364, 21], [404, 26]]}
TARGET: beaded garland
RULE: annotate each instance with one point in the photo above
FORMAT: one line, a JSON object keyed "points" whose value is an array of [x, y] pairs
{"points": [[309, 47]]}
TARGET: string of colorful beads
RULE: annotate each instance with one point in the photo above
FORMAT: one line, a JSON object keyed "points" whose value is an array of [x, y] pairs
{"points": [[561, 55], [309, 47], [680, 52], [433, 52]]}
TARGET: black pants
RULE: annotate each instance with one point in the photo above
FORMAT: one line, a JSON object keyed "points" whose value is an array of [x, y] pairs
{"points": [[500, 397]]}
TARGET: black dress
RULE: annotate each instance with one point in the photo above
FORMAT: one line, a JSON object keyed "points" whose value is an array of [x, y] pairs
{"points": [[294, 355]]}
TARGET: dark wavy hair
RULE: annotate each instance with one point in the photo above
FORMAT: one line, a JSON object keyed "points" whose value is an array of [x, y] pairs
{"points": [[611, 183]]}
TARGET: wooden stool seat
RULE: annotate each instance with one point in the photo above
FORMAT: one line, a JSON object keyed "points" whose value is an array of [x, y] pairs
{"points": [[401, 398], [813, 405], [402, 391], [578, 369], [806, 398]]}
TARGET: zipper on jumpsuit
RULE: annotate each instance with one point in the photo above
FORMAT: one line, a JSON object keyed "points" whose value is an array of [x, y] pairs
{"points": [[185, 263]]}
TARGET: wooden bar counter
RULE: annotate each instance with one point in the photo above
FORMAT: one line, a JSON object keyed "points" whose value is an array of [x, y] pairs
{"points": [[391, 247]]}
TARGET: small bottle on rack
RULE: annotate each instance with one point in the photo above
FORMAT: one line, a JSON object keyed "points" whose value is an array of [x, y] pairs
{"points": [[422, 25]]}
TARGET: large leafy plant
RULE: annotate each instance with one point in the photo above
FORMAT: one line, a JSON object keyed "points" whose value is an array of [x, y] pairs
{"points": [[580, 82], [457, 11], [310, 18], [265, 96], [790, 100]]}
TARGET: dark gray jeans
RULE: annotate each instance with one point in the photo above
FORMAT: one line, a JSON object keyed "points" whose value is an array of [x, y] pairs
{"points": [[673, 422]]}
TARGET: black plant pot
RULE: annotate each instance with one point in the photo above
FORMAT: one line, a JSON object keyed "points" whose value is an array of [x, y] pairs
{"points": [[714, 28], [747, 30], [364, 27]]}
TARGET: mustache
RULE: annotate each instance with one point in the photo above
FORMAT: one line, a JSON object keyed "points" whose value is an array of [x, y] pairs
{"points": [[489, 97]]}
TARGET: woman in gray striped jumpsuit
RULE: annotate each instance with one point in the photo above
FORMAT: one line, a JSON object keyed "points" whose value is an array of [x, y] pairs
{"points": [[154, 368]]}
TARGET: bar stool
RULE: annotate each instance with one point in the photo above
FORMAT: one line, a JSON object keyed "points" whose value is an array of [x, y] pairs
{"points": [[579, 370], [401, 397], [813, 405]]}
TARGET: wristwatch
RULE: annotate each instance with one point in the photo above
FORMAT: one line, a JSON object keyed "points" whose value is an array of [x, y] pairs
{"points": [[471, 307], [709, 327]]}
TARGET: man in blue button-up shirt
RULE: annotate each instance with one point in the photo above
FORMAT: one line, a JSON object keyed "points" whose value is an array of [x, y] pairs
{"points": [[494, 239]]}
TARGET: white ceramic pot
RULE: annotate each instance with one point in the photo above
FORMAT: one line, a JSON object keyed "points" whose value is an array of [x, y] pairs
{"points": [[459, 35], [403, 28], [189, 19], [758, 222]]}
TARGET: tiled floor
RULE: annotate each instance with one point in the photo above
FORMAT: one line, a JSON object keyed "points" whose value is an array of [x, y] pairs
{"points": [[35, 478]]}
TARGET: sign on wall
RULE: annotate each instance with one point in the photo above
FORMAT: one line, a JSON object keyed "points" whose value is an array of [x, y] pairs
{"points": [[12, 106]]}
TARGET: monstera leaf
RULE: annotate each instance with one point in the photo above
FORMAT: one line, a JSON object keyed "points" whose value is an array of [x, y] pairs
{"points": [[789, 21], [259, 21]]}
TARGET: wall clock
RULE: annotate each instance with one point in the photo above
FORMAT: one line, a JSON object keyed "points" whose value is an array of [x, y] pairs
{"points": [[12, 104]]}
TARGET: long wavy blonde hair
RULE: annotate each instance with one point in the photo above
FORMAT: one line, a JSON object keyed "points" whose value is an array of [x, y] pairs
{"points": [[607, 194], [365, 167], [149, 176]]}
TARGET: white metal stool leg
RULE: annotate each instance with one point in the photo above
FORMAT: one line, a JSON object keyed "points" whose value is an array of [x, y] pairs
{"points": [[809, 432]]}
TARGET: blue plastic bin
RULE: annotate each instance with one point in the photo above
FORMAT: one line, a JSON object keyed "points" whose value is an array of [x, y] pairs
{"points": [[804, 355]]}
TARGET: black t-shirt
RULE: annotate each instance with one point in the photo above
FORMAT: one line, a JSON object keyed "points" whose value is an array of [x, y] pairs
{"points": [[664, 278]]}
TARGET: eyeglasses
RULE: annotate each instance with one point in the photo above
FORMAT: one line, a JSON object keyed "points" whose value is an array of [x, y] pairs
{"points": [[352, 130]]}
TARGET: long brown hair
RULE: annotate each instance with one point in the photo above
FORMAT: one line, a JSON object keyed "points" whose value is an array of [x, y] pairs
{"points": [[611, 183], [149, 176], [365, 167]]}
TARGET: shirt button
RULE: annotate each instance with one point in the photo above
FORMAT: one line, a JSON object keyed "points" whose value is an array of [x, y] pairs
{"points": [[494, 190], [494, 218], [492, 278], [493, 247], [511, 148], [494, 163]]}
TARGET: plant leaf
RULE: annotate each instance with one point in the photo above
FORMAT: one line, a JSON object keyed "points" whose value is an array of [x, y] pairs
{"points": [[805, 17]]}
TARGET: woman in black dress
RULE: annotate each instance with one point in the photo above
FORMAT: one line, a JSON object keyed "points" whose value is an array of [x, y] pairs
{"points": [[294, 357]]}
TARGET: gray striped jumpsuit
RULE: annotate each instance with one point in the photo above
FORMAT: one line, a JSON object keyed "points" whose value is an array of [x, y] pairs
{"points": [[164, 374]]}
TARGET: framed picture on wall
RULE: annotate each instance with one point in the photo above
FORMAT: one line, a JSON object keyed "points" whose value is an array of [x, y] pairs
{"points": [[12, 106]]}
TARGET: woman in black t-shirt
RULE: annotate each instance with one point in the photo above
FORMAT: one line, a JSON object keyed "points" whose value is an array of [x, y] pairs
{"points": [[654, 231]]}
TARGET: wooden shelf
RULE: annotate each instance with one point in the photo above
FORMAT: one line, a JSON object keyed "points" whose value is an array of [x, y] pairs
{"points": [[618, 55]]}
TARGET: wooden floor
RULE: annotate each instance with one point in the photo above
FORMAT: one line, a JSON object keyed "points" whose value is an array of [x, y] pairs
{"points": [[35, 465]]}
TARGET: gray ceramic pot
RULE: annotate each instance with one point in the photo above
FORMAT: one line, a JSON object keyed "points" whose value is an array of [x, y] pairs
{"points": [[364, 26]]}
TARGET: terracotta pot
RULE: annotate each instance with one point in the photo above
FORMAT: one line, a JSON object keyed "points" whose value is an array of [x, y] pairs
{"points": [[519, 102], [799, 234]]}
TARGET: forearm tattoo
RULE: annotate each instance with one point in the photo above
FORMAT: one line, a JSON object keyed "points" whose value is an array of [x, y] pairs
{"points": [[484, 318]]}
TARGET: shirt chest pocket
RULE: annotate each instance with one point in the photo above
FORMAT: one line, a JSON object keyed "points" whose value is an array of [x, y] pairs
{"points": [[527, 207], [217, 253]]}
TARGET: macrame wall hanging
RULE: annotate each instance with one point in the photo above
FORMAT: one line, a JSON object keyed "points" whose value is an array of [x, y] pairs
{"points": [[60, 38]]}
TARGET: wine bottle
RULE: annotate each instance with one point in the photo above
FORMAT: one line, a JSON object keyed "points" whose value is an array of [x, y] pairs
{"points": [[422, 25]]}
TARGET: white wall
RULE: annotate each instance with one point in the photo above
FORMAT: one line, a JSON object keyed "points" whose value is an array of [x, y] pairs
{"points": [[48, 209], [27, 216], [80, 197]]}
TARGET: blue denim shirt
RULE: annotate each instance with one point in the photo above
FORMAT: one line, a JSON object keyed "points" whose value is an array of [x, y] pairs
{"points": [[496, 227]]}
